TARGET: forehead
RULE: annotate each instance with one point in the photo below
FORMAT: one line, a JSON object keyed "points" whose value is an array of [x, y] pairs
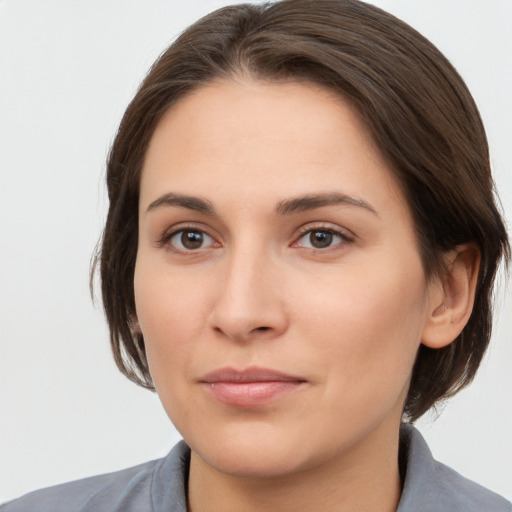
{"points": [[264, 137]]}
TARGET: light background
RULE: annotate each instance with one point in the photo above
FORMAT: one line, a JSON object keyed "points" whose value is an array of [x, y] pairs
{"points": [[67, 70]]}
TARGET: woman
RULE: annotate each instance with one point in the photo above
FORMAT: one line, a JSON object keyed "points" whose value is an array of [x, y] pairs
{"points": [[299, 255]]}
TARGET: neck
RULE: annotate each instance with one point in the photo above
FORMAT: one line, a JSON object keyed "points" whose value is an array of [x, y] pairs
{"points": [[367, 478]]}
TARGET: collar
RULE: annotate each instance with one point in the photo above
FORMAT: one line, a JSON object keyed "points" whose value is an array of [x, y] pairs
{"points": [[428, 486]]}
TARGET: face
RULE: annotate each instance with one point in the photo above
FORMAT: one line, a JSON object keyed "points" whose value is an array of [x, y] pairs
{"points": [[278, 283]]}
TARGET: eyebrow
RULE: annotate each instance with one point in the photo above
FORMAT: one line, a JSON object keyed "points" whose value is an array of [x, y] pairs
{"points": [[312, 201], [285, 207], [183, 201]]}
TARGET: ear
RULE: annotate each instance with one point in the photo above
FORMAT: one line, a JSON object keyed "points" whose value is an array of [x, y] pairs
{"points": [[451, 297]]}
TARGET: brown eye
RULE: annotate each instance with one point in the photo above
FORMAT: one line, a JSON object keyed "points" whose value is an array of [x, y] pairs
{"points": [[190, 240], [321, 239]]}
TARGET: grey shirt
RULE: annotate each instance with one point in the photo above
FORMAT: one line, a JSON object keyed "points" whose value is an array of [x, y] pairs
{"points": [[160, 486]]}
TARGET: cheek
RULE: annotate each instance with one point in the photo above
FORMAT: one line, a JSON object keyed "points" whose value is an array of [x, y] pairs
{"points": [[366, 326], [171, 310], [171, 315]]}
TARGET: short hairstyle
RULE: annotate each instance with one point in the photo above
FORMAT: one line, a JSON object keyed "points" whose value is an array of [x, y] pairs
{"points": [[419, 112]]}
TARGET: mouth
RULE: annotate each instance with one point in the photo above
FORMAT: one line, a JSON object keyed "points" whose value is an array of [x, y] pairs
{"points": [[250, 387]]}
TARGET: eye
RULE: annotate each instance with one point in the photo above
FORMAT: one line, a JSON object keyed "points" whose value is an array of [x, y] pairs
{"points": [[321, 239], [189, 240]]}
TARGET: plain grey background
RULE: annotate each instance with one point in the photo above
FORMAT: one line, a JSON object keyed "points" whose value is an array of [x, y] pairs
{"points": [[67, 71]]}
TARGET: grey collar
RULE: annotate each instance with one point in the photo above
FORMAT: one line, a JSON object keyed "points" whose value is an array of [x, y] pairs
{"points": [[429, 486]]}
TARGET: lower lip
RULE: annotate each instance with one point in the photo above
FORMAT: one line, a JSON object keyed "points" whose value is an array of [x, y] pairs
{"points": [[250, 394]]}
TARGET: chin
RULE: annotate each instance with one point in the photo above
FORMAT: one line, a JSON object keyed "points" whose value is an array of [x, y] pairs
{"points": [[248, 464], [260, 455]]}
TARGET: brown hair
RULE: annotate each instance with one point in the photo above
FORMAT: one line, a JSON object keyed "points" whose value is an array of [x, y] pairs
{"points": [[417, 107]]}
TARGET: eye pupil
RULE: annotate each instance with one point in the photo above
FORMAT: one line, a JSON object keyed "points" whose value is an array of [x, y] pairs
{"points": [[320, 239], [192, 239]]}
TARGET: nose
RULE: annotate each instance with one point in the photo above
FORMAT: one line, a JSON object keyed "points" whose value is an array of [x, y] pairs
{"points": [[249, 302]]}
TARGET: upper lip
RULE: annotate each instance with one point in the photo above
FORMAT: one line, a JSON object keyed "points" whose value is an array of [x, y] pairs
{"points": [[251, 374]]}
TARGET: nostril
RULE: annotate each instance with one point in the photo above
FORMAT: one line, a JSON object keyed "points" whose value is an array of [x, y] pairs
{"points": [[262, 328]]}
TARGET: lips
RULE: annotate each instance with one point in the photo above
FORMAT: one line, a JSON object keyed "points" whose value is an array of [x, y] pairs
{"points": [[250, 387]]}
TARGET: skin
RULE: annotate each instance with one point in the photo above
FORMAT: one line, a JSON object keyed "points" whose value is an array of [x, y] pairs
{"points": [[257, 289]]}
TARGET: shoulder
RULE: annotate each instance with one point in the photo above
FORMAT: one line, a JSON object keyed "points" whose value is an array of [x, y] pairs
{"points": [[136, 489], [433, 487], [468, 495], [95, 493]]}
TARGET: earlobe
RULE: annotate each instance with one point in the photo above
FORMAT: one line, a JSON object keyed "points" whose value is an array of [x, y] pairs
{"points": [[451, 298]]}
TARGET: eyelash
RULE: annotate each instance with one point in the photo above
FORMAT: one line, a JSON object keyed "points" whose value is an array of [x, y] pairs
{"points": [[344, 237], [165, 241]]}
